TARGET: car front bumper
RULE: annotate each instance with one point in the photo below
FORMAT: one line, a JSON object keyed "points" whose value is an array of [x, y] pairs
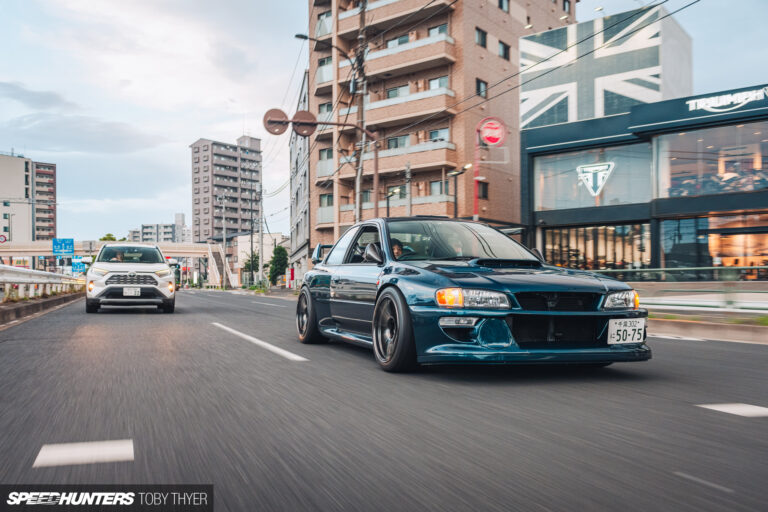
{"points": [[103, 294], [515, 336]]}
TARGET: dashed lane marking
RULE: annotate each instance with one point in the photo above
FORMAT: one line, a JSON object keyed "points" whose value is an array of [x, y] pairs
{"points": [[746, 410], [703, 482], [263, 344], [269, 304], [68, 454]]}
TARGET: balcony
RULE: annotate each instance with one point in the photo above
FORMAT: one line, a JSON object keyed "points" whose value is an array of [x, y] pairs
{"points": [[323, 27], [324, 79], [410, 108], [325, 168], [324, 130], [411, 57], [385, 14], [324, 214], [430, 155]]}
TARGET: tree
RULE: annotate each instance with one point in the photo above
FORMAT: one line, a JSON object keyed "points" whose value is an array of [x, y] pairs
{"points": [[109, 237], [278, 264], [123, 239], [252, 263]]}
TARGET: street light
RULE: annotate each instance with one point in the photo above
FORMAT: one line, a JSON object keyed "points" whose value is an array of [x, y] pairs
{"points": [[455, 175], [305, 37], [391, 193]]}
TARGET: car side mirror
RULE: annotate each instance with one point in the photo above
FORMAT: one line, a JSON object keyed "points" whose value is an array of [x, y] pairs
{"points": [[538, 254], [317, 254], [373, 254], [87, 259]]}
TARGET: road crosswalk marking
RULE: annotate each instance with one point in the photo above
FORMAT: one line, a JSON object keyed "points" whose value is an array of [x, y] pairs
{"points": [[746, 410], [68, 454]]}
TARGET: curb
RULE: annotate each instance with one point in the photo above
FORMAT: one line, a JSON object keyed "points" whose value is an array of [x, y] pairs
{"points": [[708, 331], [9, 313]]}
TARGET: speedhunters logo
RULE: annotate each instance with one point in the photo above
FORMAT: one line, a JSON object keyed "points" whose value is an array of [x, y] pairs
{"points": [[70, 498], [181, 498]]}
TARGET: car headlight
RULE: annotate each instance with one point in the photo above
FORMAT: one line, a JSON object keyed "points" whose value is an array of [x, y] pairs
{"points": [[98, 271], [468, 298], [628, 299], [163, 273]]}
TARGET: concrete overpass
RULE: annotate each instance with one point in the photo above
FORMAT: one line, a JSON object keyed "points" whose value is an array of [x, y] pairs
{"points": [[45, 248]]}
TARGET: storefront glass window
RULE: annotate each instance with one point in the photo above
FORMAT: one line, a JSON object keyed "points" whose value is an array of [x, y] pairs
{"points": [[626, 246], [713, 161], [724, 241], [594, 177]]}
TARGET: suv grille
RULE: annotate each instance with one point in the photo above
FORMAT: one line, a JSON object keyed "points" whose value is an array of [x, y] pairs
{"points": [[132, 279], [558, 301]]}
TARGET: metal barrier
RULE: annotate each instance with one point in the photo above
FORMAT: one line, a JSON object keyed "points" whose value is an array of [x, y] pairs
{"points": [[22, 282], [689, 274]]}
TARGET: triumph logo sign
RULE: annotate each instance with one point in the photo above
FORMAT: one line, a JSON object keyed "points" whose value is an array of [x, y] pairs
{"points": [[727, 102], [594, 176]]}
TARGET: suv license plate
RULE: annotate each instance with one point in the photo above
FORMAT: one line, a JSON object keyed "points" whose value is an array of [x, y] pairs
{"points": [[131, 292], [625, 330]]}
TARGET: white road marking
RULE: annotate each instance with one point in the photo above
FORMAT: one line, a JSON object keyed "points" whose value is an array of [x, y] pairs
{"points": [[67, 454], [746, 410], [263, 344], [269, 304], [703, 482]]}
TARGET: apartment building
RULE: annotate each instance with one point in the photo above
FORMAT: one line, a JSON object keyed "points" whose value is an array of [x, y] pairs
{"points": [[27, 199], [226, 180], [300, 248], [424, 57], [156, 233]]}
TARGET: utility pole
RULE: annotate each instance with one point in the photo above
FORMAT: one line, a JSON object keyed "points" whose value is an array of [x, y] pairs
{"points": [[408, 196], [250, 256], [360, 75], [221, 200], [261, 234]]}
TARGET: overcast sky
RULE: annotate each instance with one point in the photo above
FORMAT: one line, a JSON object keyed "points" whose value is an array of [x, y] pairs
{"points": [[115, 92]]}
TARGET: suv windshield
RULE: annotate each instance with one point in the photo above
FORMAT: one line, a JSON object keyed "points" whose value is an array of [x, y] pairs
{"points": [[129, 254], [450, 240]]}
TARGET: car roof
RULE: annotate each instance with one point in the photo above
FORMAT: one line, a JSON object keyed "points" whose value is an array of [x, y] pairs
{"points": [[129, 244]]}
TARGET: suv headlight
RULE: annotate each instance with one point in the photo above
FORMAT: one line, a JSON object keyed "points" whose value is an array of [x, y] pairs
{"points": [[628, 299], [98, 271], [468, 298], [163, 273]]}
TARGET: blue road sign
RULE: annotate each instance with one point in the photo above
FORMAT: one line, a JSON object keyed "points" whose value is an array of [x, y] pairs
{"points": [[63, 246]]}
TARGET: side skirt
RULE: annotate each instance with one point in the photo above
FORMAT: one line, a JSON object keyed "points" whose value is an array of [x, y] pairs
{"points": [[346, 336]]}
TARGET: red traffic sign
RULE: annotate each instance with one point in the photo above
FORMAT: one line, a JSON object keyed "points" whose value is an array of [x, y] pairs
{"points": [[3, 239], [492, 131], [276, 121], [304, 123]]}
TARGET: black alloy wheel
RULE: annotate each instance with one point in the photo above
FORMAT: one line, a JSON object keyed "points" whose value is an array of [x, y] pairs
{"points": [[306, 320], [393, 344]]}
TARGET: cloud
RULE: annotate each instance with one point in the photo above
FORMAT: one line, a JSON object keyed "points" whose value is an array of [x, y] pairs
{"points": [[39, 100], [75, 133], [147, 209]]}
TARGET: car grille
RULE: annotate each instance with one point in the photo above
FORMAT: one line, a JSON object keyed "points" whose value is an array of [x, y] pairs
{"points": [[543, 331], [132, 279], [558, 301]]}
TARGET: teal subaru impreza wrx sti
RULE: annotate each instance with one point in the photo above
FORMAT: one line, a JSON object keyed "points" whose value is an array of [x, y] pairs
{"points": [[427, 290]]}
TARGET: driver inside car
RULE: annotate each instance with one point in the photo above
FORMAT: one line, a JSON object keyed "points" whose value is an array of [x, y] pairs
{"points": [[397, 248]]}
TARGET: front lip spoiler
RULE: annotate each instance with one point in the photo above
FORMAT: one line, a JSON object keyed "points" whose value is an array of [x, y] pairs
{"points": [[130, 302]]}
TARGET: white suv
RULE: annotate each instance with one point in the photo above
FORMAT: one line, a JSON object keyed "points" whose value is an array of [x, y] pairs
{"points": [[125, 274]]}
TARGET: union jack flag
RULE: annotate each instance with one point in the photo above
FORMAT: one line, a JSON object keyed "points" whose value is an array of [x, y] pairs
{"points": [[603, 75]]}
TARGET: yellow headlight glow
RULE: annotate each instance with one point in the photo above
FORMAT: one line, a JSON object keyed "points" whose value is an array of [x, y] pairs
{"points": [[450, 297]]}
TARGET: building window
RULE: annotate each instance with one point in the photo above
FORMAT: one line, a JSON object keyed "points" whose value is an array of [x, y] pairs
{"points": [[503, 50], [326, 154], [197, 179], [366, 196], [621, 246], [481, 37], [504, 5], [397, 191], [437, 83], [324, 108], [324, 61], [326, 200], [324, 15], [567, 6], [481, 88], [5, 215], [392, 43], [438, 187], [482, 190], [205, 178], [197, 149], [205, 148], [439, 134], [440, 29], [403, 141], [397, 92], [197, 159]]}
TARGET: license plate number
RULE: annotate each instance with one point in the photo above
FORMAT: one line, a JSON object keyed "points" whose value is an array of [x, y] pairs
{"points": [[131, 292], [625, 330]]}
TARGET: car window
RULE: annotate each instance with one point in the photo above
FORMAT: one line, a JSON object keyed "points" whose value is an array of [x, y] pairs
{"points": [[130, 254], [336, 256], [368, 235]]}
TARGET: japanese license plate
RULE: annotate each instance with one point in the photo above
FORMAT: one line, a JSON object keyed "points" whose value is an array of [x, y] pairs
{"points": [[131, 292], [625, 330]]}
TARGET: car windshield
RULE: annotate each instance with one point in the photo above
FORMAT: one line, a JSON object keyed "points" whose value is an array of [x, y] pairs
{"points": [[450, 240], [128, 254]]}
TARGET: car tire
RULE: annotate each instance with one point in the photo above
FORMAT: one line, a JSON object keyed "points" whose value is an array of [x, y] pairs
{"points": [[306, 319], [168, 307], [91, 308], [393, 343]]}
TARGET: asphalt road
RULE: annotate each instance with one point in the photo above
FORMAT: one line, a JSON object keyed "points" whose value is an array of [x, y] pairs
{"points": [[204, 405]]}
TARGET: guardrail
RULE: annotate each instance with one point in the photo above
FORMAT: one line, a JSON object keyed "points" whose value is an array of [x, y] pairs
{"points": [[22, 282]]}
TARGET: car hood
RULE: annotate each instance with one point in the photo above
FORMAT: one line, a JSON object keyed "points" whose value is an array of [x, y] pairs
{"points": [[131, 267], [544, 278]]}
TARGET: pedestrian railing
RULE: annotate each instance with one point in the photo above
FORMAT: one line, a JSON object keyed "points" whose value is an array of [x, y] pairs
{"points": [[21, 283]]}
